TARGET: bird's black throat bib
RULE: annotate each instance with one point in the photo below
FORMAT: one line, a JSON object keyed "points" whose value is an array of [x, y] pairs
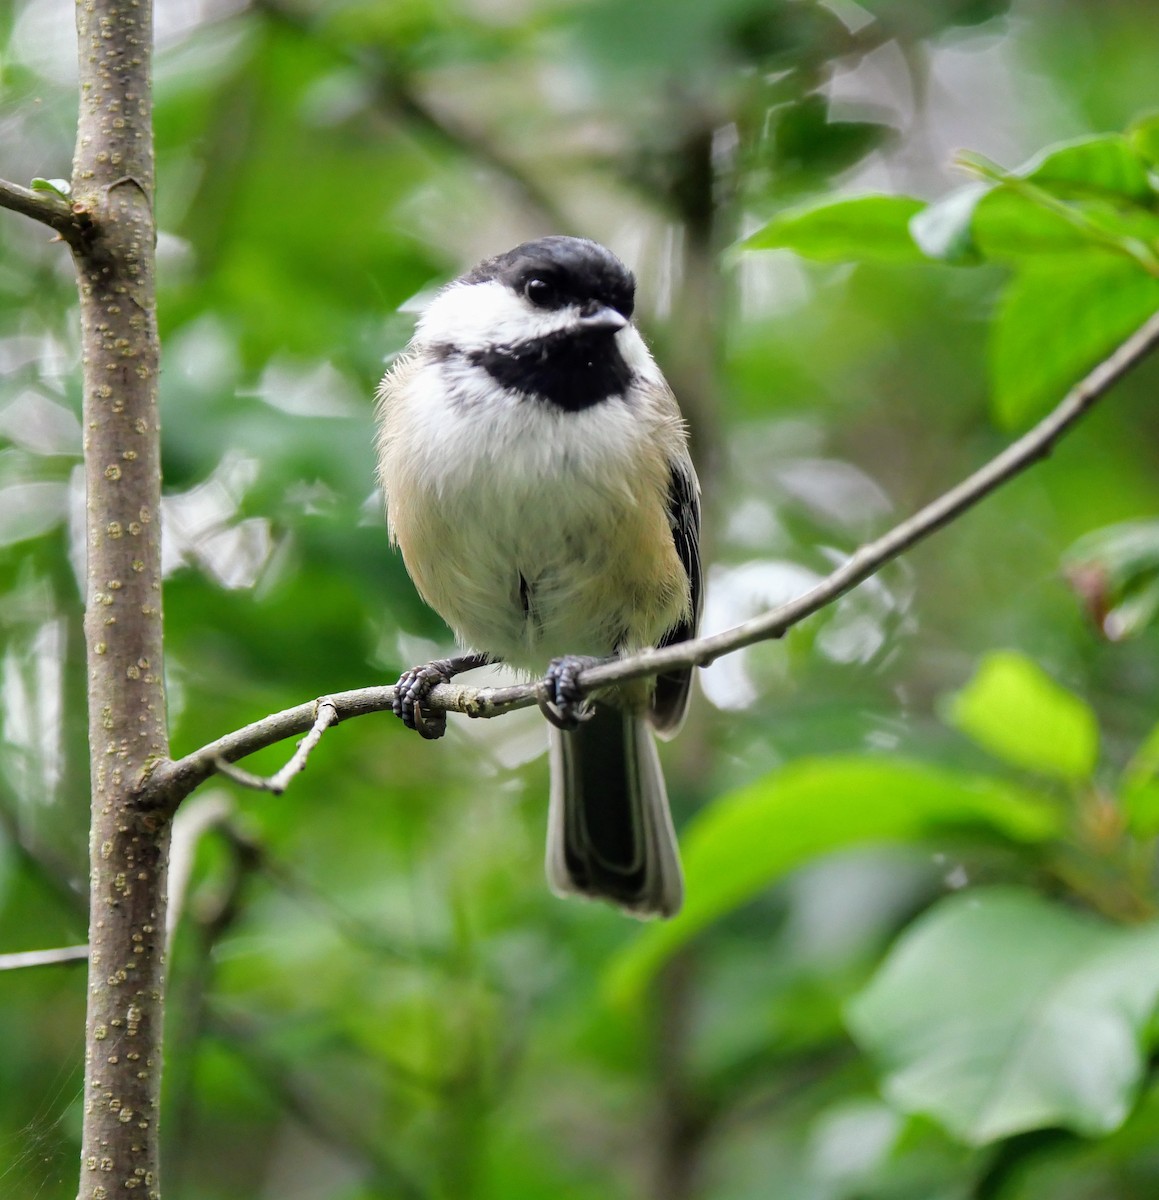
{"points": [[569, 370]]}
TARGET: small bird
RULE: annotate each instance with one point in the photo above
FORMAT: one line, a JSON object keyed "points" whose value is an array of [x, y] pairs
{"points": [[538, 483]]}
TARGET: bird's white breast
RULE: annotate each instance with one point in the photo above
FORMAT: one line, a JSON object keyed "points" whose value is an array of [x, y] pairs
{"points": [[532, 530]]}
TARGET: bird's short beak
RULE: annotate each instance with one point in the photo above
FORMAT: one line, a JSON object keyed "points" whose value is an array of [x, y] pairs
{"points": [[601, 316]]}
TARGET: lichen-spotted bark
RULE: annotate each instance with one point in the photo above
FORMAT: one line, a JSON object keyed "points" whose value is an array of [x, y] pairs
{"points": [[113, 187]]}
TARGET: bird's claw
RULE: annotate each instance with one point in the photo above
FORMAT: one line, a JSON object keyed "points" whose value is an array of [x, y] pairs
{"points": [[410, 696], [559, 696]]}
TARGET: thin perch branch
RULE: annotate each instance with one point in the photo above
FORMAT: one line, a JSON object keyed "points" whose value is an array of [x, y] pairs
{"points": [[43, 958], [172, 781], [871, 557]]}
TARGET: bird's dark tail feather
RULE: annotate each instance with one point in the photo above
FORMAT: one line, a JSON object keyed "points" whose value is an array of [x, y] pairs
{"points": [[609, 831]]}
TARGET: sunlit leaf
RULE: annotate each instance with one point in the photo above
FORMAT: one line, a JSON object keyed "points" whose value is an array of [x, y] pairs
{"points": [[1140, 787], [1018, 713], [1143, 134], [58, 187], [745, 841], [1144, 764], [864, 228], [999, 1012], [1011, 227], [1019, 225], [1105, 163], [1055, 321], [1141, 805], [1095, 188]]}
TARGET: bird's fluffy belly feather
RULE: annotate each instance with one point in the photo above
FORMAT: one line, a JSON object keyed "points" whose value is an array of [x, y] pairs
{"points": [[554, 541]]}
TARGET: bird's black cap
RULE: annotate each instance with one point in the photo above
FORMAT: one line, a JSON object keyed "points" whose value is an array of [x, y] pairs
{"points": [[579, 270]]}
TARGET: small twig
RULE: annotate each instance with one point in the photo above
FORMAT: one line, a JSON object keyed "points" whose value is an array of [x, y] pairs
{"points": [[327, 715], [43, 958], [242, 777], [172, 781], [47, 207]]}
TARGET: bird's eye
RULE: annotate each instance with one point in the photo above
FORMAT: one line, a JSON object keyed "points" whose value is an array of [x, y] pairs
{"points": [[541, 292]]}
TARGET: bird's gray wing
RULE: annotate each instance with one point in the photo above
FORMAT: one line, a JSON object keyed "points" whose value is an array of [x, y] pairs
{"points": [[672, 688]]}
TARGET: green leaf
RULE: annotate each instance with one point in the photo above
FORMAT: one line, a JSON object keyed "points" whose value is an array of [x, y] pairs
{"points": [[1140, 787], [1008, 226], [945, 230], [1144, 765], [1124, 550], [1137, 609], [1115, 572], [1019, 223], [1098, 188], [1017, 712], [861, 229], [998, 1012], [59, 187], [1141, 805], [743, 842], [1143, 134], [807, 143], [1104, 163], [1057, 320]]}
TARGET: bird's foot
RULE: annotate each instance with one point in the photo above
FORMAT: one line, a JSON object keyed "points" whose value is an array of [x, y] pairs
{"points": [[560, 699], [415, 686]]}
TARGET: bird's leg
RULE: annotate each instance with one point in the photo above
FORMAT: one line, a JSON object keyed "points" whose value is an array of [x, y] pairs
{"points": [[415, 685], [560, 698]]}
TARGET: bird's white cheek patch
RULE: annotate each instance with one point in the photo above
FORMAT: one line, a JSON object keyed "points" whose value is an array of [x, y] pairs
{"points": [[637, 356], [478, 316]]}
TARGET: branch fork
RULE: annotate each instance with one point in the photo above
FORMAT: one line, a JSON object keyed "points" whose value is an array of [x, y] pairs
{"points": [[326, 714]]}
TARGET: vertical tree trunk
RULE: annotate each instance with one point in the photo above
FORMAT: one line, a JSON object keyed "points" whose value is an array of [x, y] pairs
{"points": [[113, 185]]}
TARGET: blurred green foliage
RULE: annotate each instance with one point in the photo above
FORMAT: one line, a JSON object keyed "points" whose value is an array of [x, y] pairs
{"points": [[917, 961]]}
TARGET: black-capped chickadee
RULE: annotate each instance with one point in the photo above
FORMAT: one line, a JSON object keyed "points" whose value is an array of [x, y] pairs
{"points": [[538, 483]]}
